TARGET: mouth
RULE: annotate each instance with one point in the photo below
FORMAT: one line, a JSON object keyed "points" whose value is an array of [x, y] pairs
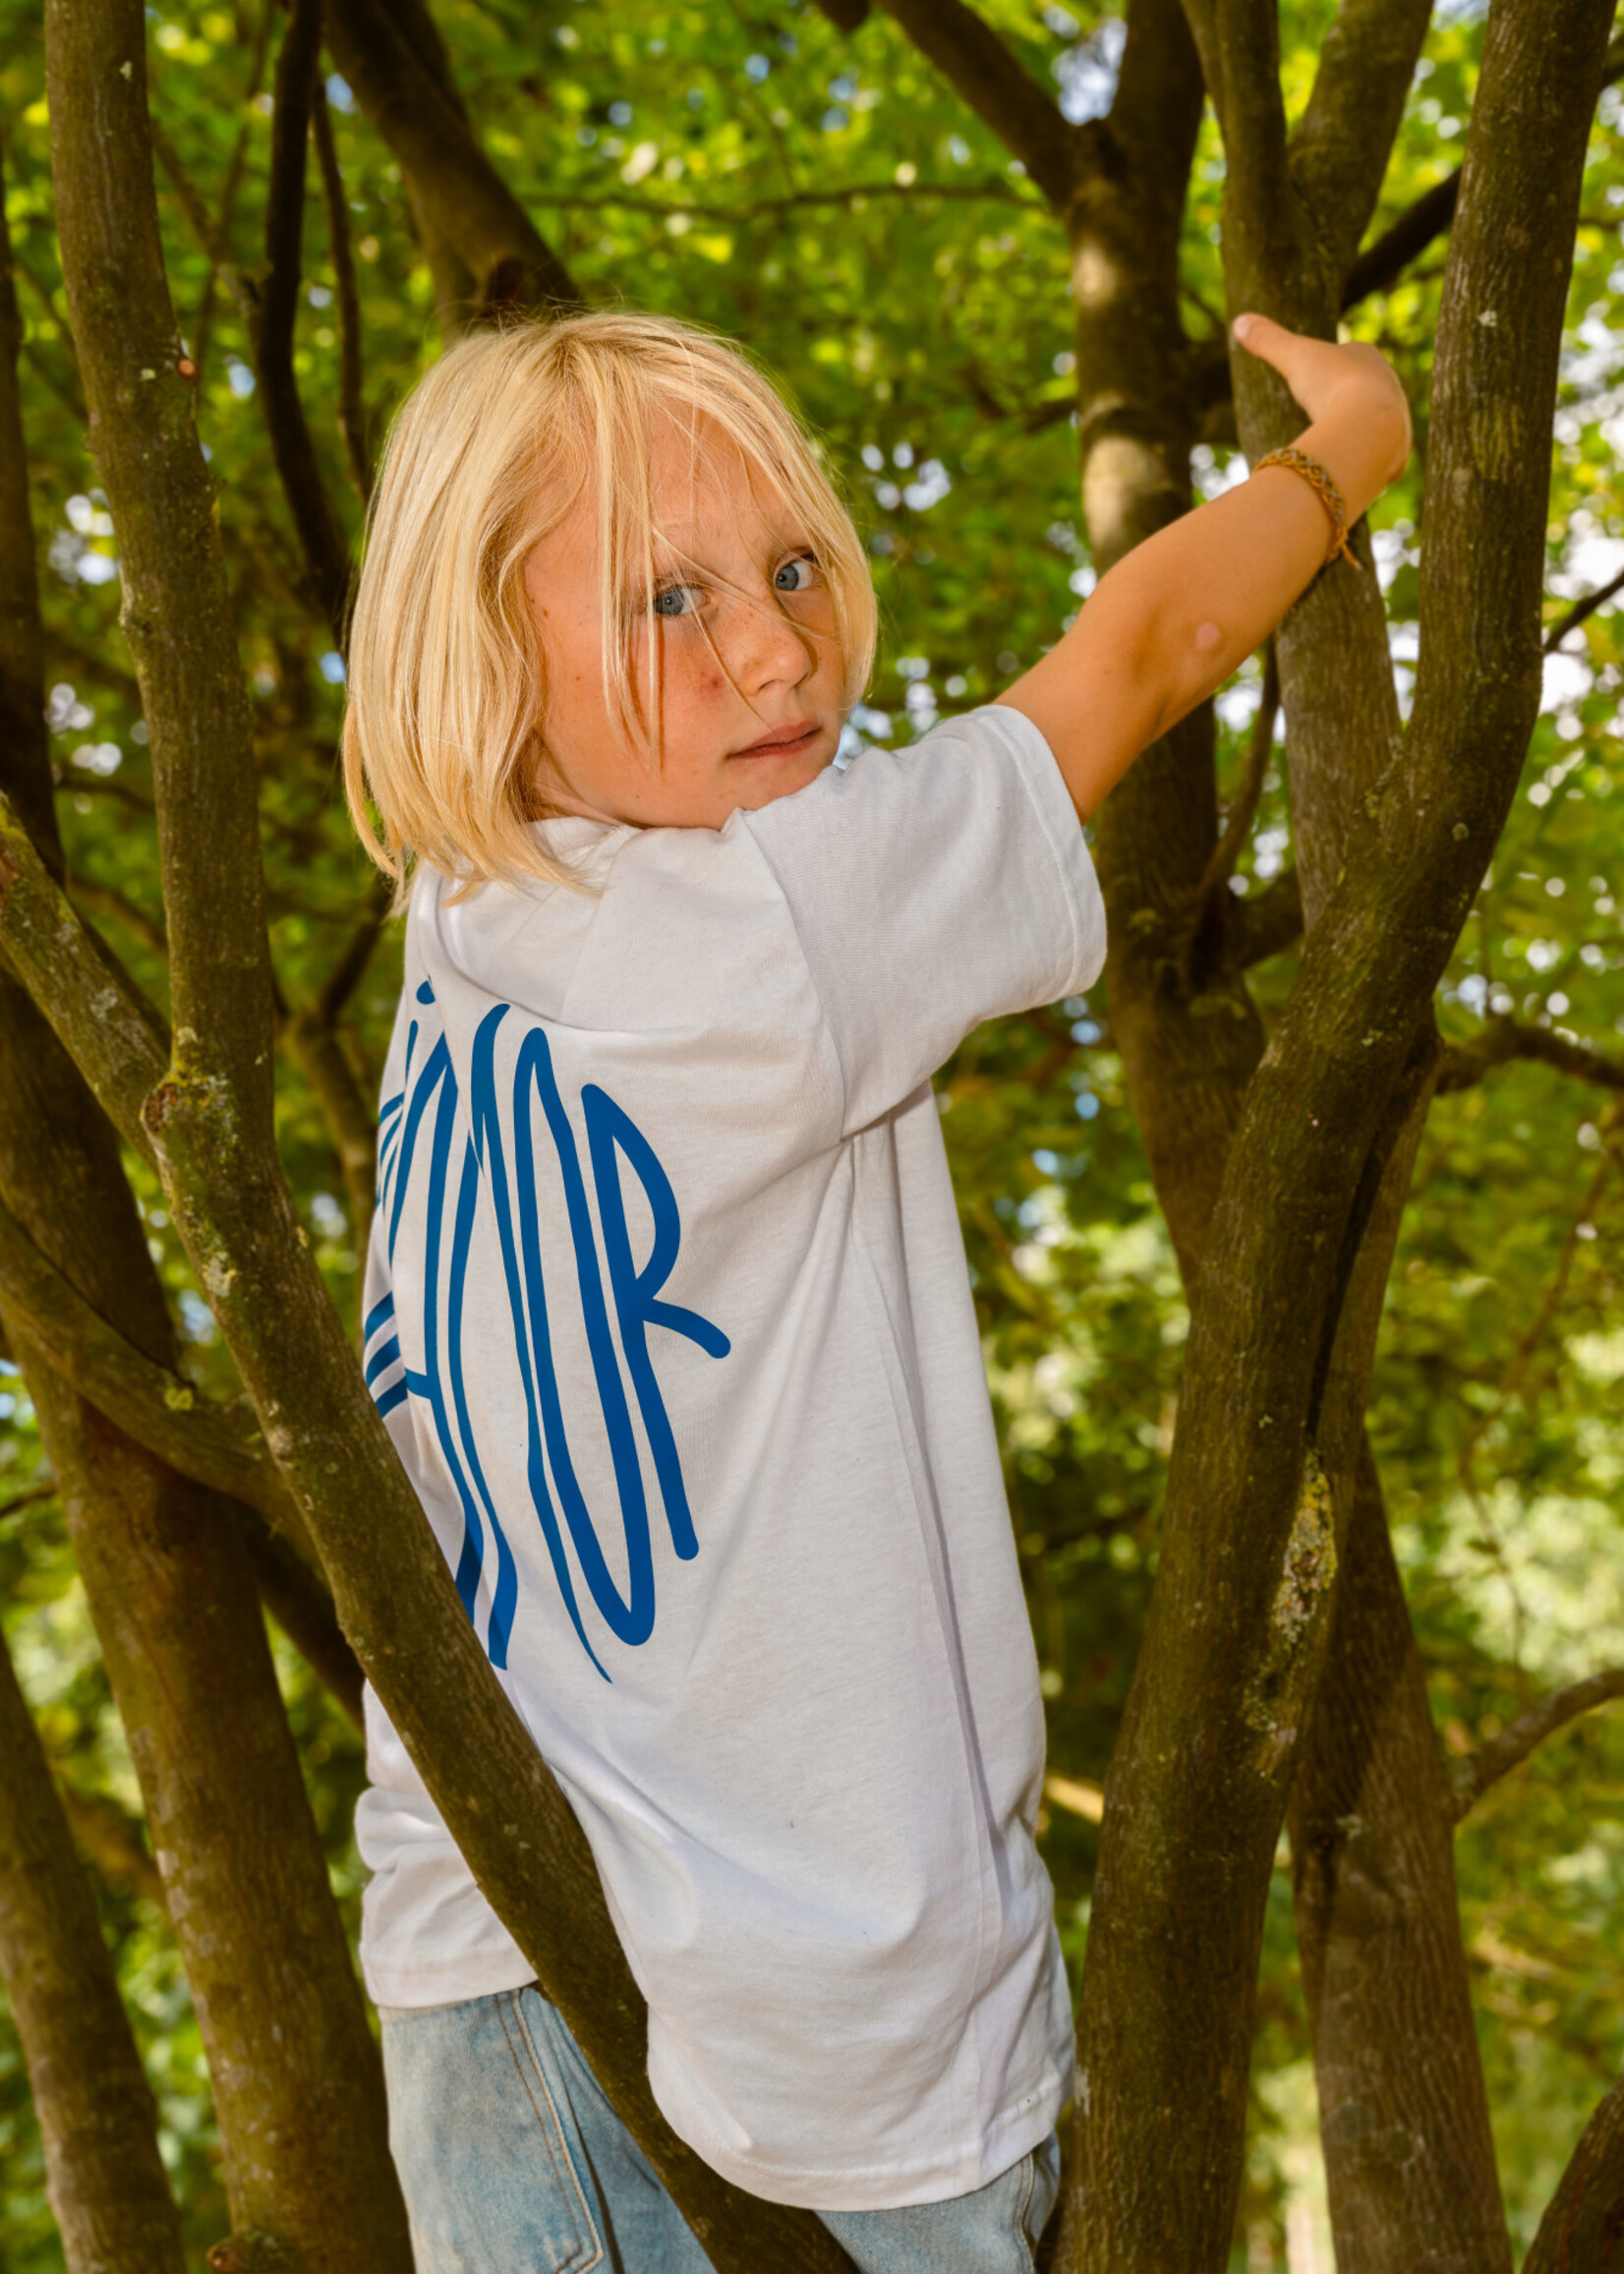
{"points": [[784, 742]]}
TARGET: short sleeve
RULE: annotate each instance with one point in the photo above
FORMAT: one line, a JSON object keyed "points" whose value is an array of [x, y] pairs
{"points": [[932, 888]]}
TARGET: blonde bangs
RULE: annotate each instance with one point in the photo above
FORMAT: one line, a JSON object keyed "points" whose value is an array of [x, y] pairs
{"points": [[491, 452]]}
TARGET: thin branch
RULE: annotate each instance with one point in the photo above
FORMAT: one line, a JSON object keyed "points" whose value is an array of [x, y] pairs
{"points": [[1502, 1039], [1267, 923], [66, 390], [356, 954], [845, 15], [35, 1498], [215, 1444], [327, 557], [1511, 1381], [1003, 193], [1001, 92], [202, 322], [123, 793], [299, 1600], [1381, 265], [195, 205], [1250, 792], [352, 410], [1471, 1777], [1573, 618], [111, 1839], [103, 899]]}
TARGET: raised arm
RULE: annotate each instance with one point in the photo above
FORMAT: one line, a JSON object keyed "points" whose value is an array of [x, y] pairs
{"points": [[1173, 619]]}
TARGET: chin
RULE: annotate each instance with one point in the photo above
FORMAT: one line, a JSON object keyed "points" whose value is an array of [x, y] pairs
{"points": [[780, 779]]}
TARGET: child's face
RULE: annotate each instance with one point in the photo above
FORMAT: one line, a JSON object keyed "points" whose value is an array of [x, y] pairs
{"points": [[747, 673]]}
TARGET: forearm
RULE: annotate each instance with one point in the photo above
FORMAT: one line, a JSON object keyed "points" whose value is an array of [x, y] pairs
{"points": [[1177, 616], [1206, 592]]}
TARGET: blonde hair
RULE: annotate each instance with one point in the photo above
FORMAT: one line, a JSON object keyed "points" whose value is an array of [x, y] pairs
{"points": [[490, 452]]}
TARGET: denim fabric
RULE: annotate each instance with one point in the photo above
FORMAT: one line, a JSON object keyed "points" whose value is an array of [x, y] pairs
{"points": [[513, 2162]]}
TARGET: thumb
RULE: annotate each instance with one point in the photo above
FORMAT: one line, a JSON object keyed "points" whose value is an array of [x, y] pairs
{"points": [[1269, 341]]}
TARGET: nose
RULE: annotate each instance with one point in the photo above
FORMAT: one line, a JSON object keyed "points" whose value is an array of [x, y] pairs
{"points": [[766, 649]]}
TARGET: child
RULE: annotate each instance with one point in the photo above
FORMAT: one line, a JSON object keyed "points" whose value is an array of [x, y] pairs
{"points": [[667, 1303]]}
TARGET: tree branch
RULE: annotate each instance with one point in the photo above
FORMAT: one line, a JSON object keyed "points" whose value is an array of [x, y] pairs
{"points": [[244, 292], [1471, 1776], [300, 1600], [1024, 116], [327, 557], [352, 408], [112, 1842], [214, 1445], [106, 901], [22, 736], [201, 325], [101, 1016], [457, 191], [1573, 618], [1340, 151], [848, 193], [1267, 923], [1250, 790], [103, 2174], [1579, 2233], [1384, 261], [1502, 1039]]}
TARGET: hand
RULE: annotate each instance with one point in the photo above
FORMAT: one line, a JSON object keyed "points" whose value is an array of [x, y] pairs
{"points": [[1335, 383]]}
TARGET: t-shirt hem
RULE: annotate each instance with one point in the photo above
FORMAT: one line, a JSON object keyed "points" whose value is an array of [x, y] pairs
{"points": [[942, 2177], [451, 1985]]}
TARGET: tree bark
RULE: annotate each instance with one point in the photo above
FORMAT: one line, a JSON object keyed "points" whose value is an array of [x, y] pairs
{"points": [[105, 2177]]}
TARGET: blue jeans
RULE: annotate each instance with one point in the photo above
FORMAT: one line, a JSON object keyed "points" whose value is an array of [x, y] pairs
{"points": [[513, 2162]]}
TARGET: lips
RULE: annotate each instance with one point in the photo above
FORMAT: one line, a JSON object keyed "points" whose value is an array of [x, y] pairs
{"points": [[783, 740]]}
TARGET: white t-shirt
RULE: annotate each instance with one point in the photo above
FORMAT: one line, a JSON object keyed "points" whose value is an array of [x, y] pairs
{"points": [[668, 1311]]}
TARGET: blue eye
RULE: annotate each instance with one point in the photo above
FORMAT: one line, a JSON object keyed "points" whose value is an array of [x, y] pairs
{"points": [[797, 575], [676, 600]]}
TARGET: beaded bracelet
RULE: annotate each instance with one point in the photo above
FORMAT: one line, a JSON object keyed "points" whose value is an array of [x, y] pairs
{"points": [[1324, 488]]}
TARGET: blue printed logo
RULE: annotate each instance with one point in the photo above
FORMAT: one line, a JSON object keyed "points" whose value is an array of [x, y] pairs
{"points": [[616, 1149]]}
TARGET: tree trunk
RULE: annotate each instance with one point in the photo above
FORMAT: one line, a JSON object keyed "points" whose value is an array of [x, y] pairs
{"points": [[1231, 1654], [105, 2180], [1403, 2115]]}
